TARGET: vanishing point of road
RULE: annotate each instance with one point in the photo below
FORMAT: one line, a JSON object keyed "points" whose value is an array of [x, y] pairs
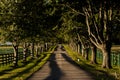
{"points": [[60, 67]]}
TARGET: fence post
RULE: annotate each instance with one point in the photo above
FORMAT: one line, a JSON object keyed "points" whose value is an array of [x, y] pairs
{"points": [[112, 57], [7, 59], [119, 58], [0, 60]]}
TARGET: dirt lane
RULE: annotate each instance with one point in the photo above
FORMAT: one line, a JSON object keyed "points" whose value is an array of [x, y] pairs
{"points": [[60, 67]]}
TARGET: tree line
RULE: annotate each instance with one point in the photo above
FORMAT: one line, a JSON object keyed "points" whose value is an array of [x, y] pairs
{"points": [[85, 23]]}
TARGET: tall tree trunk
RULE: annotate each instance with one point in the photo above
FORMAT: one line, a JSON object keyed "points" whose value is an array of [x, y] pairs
{"points": [[46, 46], [78, 48], [15, 47], [25, 50], [41, 48], [93, 54], [100, 34], [86, 53], [106, 57], [37, 49], [83, 51], [72, 45], [32, 50]]}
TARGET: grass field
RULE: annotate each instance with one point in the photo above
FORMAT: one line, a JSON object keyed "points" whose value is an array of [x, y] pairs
{"points": [[95, 69], [24, 70], [8, 49]]}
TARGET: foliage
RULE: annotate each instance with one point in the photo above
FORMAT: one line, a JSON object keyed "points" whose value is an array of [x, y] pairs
{"points": [[24, 71], [9, 30]]}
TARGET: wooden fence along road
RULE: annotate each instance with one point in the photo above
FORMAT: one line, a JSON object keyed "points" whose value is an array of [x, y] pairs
{"points": [[8, 58], [60, 67]]}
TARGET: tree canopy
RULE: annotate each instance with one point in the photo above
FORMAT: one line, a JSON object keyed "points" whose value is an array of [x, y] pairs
{"points": [[91, 21]]}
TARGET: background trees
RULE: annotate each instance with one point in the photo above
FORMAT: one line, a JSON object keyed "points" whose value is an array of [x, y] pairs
{"points": [[85, 24], [9, 30], [99, 19]]}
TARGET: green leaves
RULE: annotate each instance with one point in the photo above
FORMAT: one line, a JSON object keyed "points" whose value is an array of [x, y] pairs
{"points": [[33, 18]]}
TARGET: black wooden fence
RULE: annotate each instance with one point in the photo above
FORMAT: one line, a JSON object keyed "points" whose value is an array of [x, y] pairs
{"points": [[115, 57], [8, 58]]}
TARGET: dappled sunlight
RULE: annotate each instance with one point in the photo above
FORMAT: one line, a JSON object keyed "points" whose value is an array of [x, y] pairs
{"points": [[55, 71], [61, 67]]}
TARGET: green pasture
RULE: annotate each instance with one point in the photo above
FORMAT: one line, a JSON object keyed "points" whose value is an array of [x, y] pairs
{"points": [[8, 49], [25, 70]]}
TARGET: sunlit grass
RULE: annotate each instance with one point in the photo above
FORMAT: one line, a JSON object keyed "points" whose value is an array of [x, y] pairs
{"points": [[24, 70], [95, 69], [8, 49]]}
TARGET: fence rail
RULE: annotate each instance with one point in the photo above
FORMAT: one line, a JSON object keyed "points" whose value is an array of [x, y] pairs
{"points": [[8, 58], [115, 57]]}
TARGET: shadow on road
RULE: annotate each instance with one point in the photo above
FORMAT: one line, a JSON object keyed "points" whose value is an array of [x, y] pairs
{"points": [[90, 70], [68, 59], [55, 73]]}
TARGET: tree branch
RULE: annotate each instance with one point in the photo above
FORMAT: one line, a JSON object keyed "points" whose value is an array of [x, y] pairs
{"points": [[80, 40], [87, 22], [94, 22], [98, 46], [95, 41], [74, 10]]}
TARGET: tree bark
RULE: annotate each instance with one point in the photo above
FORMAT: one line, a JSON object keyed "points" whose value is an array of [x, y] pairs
{"points": [[46, 46], [80, 51], [15, 47], [78, 48], [100, 34], [37, 49], [86, 53], [32, 50], [93, 54], [25, 50], [83, 51], [106, 57], [41, 48]]}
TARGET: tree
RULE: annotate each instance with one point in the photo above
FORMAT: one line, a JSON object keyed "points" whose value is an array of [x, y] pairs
{"points": [[116, 28], [99, 16], [99, 21], [36, 19], [93, 54], [9, 30]]}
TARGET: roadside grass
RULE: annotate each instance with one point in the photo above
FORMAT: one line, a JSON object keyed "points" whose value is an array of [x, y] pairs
{"points": [[94, 69], [24, 70]]}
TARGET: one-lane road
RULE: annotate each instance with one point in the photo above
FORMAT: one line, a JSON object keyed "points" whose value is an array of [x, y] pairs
{"points": [[60, 67]]}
